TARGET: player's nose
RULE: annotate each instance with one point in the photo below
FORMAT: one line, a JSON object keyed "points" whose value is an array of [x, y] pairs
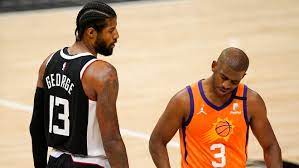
{"points": [[227, 84], [116, 35]]}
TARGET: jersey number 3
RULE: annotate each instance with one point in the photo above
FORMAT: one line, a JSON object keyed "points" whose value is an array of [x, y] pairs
{"points": [[61, 116], [220, 155]]}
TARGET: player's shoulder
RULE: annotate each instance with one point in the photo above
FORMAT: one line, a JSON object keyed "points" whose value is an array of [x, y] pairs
{"points": [[253, 95], [182, 96], [45, 62], [181, 102], [102, 65], [254, 100], [101, 70], [41, 70], [186, 94]]}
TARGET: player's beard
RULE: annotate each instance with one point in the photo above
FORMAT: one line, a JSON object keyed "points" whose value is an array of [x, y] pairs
{"points": [[103, 49]]}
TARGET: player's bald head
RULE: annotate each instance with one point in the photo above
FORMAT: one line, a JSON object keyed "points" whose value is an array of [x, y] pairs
{"points": [[235, 58]]}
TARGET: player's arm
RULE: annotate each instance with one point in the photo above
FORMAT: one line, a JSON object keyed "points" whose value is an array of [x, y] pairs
{"points": [[262, 130], [168, 124], [39, 142], [104, 81]]}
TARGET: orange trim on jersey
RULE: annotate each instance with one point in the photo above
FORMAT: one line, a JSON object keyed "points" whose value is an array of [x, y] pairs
{"points": [[196, 95], [240, 90]]}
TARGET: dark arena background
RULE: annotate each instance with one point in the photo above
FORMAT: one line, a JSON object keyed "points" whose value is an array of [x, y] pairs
{"points": [[164, 45], [22, 5]]}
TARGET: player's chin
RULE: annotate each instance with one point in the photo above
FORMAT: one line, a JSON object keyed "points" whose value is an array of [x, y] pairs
{"points": [[107, 52], [110, 51]]}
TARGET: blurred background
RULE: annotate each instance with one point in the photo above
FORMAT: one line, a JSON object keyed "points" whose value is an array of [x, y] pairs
{"points": [[164, 46], [22, 5]]}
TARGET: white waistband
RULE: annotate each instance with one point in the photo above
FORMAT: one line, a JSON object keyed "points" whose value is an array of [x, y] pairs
{"points": [[99, 160]]}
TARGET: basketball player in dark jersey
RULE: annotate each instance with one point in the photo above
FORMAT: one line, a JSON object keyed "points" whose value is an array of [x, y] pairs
{"points": [[75, 100]]}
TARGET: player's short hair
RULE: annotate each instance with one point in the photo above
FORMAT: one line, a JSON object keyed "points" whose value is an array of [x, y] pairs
{"points": [[93, 14], [235, 58]]}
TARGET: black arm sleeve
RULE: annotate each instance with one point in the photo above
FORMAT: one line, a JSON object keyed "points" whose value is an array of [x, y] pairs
{"points": [[37, 131]]}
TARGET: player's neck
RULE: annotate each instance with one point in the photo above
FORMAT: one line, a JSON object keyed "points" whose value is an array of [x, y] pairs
{"points": [[211, 94], [81, 47]]}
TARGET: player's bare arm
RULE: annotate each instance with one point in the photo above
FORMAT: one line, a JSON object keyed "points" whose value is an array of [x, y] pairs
{"points": [[175, 114], [41, 72], [39, 142], [101, 77], [262, 130]]}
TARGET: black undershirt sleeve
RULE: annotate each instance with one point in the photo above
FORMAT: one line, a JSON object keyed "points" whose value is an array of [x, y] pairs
{"points": [[37, 131]]}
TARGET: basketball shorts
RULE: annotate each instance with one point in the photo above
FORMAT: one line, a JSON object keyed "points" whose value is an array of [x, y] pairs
{"points": [[66, 161]]}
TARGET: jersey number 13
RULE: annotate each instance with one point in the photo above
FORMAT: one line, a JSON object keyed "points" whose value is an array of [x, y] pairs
{"points": [[61, 116]]}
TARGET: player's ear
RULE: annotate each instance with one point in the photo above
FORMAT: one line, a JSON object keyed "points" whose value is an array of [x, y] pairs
{"points": [[214, 66], [91, 33]]}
